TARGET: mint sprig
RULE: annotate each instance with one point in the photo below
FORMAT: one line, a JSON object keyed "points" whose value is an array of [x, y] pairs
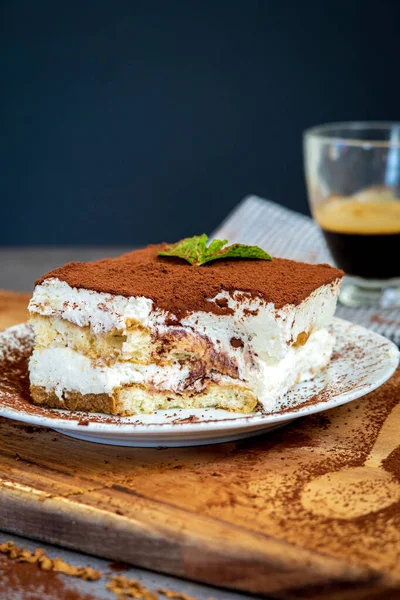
{"points": [[196, 252]]}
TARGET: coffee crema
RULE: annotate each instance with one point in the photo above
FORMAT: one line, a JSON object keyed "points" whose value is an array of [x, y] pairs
{"points": [[363, 233]]}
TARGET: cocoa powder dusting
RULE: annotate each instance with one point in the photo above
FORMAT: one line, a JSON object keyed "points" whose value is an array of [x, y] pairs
{"points": [[236, 342], [222, 302], [179, 288], [333, 452], [391, 464], [381, 320]]}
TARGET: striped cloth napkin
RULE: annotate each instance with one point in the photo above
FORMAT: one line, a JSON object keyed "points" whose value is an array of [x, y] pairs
{"points": [[283, 232]]}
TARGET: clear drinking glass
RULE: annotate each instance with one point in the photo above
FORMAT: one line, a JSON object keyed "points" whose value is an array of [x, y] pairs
{"points": [[353, 181]]}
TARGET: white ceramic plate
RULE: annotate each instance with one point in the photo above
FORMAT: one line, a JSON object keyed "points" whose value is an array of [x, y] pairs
{"points": [[362, 361]]}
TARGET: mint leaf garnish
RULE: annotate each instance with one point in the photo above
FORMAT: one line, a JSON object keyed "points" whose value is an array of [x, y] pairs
{"points": [[236, 251], [190, 249], [195, 251]]}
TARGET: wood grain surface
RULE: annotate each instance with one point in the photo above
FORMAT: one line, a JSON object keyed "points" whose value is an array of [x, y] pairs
{"points": [[309, 511]]}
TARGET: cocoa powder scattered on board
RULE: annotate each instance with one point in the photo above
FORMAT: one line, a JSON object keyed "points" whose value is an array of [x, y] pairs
{"points": [[391, 464], [316, 445], [363, 420]]}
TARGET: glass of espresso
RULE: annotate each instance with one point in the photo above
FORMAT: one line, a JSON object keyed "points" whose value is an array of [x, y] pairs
{"points": [[353, 181]]}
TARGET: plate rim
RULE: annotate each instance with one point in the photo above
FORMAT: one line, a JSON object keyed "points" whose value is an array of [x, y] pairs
{"points": [[243, 422]]}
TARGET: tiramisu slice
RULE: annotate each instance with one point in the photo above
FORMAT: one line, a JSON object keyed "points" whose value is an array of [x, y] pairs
{"points": [[143, 332]]}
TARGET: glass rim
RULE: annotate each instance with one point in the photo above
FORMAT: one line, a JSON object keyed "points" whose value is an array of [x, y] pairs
{"points": [[322, 133]]}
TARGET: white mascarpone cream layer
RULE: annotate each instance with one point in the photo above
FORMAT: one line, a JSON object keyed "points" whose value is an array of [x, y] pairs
{"points": [[266, 332], [62, 369]]}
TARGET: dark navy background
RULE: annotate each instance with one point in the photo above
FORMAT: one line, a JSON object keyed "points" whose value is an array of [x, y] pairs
{"points": [[126, 122]]}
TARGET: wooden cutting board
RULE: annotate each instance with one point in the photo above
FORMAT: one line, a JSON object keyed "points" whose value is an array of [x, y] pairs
{"points": [[309, 511]]}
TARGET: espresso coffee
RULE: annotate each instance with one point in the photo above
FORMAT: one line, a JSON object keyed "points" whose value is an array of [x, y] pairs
{"points": [[363, 233]]}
